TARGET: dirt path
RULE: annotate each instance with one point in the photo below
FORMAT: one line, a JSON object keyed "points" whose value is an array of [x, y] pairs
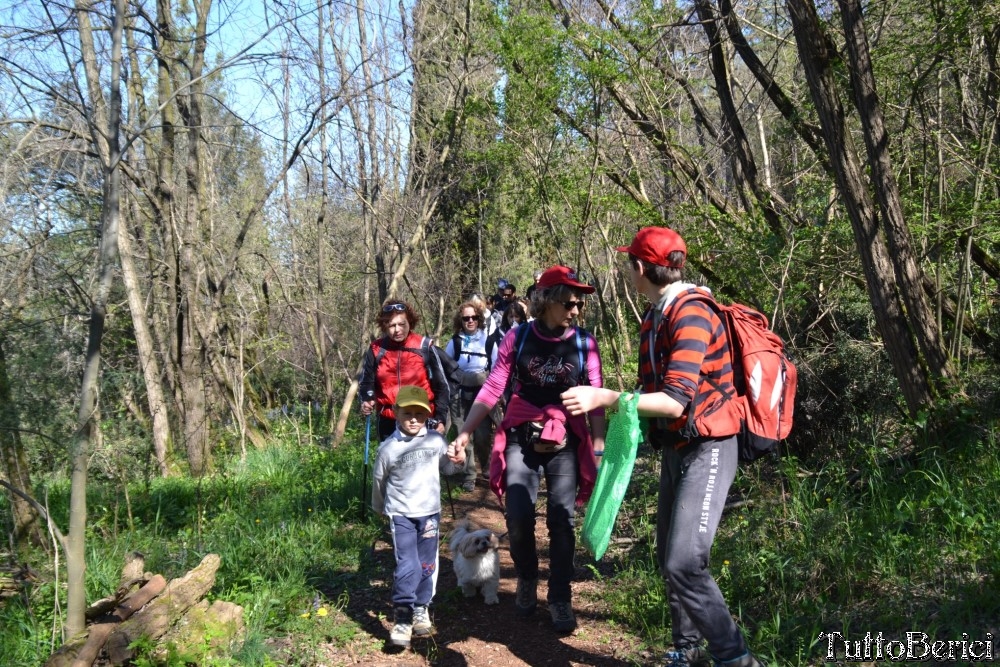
{"points": [[469, 633]]}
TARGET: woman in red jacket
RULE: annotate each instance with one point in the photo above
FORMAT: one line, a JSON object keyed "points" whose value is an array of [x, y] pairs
{"points": [[401, 357]]}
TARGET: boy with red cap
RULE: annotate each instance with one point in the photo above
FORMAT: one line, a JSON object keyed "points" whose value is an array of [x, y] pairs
{"points": [[677, 351]]}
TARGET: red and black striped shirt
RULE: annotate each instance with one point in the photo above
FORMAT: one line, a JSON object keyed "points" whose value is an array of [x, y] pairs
{"points": [[689, 345]]}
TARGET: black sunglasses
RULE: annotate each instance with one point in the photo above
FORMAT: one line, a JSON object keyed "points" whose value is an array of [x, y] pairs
{"points": [[398, 307], [570, 305], [470, 318]]}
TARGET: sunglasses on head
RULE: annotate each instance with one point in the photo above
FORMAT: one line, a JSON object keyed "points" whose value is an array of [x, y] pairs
{"points": [[398, 307], [470, 318], [570, 305]]}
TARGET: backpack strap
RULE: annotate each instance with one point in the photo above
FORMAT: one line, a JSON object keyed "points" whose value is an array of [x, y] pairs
{"points": [[425, 346], [690, 430], [491, 339], [491, 342], [584, 377]]}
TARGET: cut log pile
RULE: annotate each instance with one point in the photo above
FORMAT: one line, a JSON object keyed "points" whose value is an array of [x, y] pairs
{"points": [[14, 577], [169, 616]]}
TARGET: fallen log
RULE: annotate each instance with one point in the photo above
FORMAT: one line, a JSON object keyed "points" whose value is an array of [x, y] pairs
{"points": [[205, 632], [70, 650], [132, 574], [156, 618], [99, 632]]}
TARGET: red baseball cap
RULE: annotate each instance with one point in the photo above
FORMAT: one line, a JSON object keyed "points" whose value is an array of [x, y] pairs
{"points": [[562, 275], [654, 245]]}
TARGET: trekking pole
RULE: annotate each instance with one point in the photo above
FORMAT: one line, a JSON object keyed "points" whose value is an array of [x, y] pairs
{"points": [[364, 474], [447, 485]]}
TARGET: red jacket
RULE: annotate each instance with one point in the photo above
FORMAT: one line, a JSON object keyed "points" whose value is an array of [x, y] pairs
{"points": [[389, 365]]}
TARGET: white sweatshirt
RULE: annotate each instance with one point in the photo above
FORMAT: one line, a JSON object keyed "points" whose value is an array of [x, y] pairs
{"points": [[407, 474]]}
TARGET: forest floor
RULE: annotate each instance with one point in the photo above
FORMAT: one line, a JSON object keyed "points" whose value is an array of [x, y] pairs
{"points": [[469, 633]]}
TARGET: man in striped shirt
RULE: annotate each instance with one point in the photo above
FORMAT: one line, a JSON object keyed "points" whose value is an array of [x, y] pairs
{"points": [[684, 365]]}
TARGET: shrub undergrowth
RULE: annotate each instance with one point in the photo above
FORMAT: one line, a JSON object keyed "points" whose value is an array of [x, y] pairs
{"points": [[894, 534], [890, 531]]}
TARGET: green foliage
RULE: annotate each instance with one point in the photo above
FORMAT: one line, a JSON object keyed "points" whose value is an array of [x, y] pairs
{"points": [[877, 536], [284, 522]]}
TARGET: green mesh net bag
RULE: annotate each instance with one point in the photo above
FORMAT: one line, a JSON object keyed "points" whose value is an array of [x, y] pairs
{"points": [[613, 476]]}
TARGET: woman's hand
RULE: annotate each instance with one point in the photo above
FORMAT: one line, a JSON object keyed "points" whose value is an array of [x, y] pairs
{"points": [[367, 407], [457, 448], [440, 428], [581, 400]]}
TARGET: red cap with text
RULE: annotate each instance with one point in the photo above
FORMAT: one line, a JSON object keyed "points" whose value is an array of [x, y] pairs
{"points": [[562, 275]]}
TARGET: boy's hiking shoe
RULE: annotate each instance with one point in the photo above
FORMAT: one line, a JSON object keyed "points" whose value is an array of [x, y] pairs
{"points": [[696, 656], [563, 619], [422, 625], [403, 628], [526, 599]]}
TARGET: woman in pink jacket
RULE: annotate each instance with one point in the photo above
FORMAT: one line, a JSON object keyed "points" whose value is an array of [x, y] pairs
{"points": [[537, 437]]}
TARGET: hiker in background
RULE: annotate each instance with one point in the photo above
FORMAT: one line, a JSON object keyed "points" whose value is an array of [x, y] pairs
{"points": [[525, 303], [507, 296], [513, 316], [406, 487], [483, 307], [538, 438], [533, 286], [397, 358], [676, 351], [475, 351]]}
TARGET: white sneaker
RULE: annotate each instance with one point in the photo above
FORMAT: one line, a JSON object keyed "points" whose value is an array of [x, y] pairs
{"points": [[400, 635], [422, 625], [403, 629]]}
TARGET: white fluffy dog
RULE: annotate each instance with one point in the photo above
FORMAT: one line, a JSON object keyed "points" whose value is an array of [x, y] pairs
{"points": [[477, 563]]}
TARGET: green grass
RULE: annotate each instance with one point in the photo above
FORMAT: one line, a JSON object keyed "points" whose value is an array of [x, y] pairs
{"points": [[876, 538], [285, 523], [873, 536]]}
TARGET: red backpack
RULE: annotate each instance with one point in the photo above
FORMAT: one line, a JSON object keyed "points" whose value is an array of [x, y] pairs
{"points": [[763, 375]]}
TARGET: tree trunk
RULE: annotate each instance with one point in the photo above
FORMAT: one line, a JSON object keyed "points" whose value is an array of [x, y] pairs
{"points": [[105, 125], [817, 59], [193, 349], [909, 276], [147, 352], [15, 463]]}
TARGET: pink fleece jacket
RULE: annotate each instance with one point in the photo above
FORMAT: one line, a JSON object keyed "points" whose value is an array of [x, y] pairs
{"points": [[556, 420]]}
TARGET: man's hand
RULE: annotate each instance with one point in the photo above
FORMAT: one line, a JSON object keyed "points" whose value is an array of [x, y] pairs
{"points": [[581, 400], [440, 428], [367, 407]]}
